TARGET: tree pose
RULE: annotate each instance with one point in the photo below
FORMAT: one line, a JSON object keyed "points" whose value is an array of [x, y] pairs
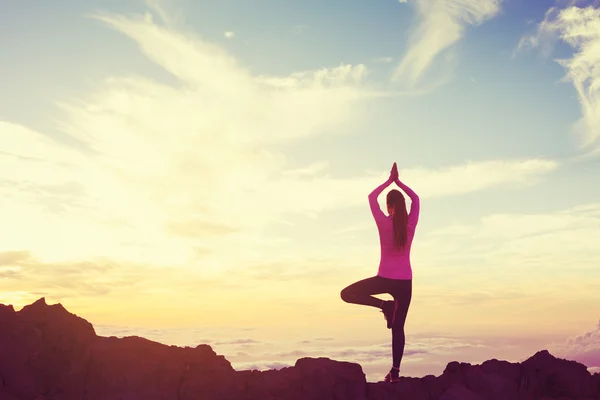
{"points": [[396, 233]]}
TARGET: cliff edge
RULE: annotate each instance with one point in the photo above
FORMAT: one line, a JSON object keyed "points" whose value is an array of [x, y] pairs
{"points": [[47, 353]]}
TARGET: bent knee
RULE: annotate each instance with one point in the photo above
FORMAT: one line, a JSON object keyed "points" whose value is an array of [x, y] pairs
{"points": [[346, 295]]}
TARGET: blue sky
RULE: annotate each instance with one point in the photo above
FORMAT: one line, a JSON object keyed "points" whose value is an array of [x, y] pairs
{"points": [[205, 153]]}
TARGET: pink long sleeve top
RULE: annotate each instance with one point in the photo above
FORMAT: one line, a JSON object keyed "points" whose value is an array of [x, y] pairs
{"points": [[394, 263]]}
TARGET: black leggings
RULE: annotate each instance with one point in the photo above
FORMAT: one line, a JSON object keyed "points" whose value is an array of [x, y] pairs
{"points": [[401, 290]]}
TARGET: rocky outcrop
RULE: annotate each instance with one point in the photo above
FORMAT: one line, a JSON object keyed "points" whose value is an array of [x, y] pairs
{"points": [[47, 353]]}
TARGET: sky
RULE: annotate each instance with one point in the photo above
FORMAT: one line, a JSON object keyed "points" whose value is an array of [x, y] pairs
{"points": [[198, 171]]}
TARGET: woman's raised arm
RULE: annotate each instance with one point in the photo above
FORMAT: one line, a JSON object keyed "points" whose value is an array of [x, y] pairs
{"points": [[375, 210]]}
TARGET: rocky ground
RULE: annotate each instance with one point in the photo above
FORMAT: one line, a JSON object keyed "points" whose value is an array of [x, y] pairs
{"points": [[47, 353]]}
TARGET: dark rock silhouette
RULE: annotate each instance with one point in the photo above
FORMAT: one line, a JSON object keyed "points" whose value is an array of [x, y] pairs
{"points": [[47, 353]]}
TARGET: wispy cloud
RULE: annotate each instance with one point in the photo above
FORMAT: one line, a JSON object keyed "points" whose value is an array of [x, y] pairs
{"points": [[584, 348], [516, 258], [384, 60], [553, 236], [474, 176], [175, 187], [31, 278], [166, 12], [166, 166], [580, 28], [441, 24], [229, 34], [237, 342], [182, 157]]}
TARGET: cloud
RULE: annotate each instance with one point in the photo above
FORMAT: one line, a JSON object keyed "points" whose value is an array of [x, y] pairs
{"points": [[236, 341], [276, 354], [579, 28], [371, 354], [229, 34], [262, 366], [167, 179], [384, 60], [514, 258], [584, 348], [167, 14], [25, 278], [428, 182], [171, 174], [182, 336], [322, 339], [8, 258], [424, 353], [475, 176], [159, 166], [535, 233], [9, 272], [441, 24], [64, 281]]}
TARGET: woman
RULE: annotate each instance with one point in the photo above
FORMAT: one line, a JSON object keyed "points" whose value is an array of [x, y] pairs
{"points": [[396, 233]]}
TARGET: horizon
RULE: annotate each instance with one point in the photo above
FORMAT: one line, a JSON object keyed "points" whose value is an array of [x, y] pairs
{"points": [[364, 354], [175, 166]]}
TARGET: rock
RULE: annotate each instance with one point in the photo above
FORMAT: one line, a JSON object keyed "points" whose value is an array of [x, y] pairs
{"points": [[45, 350], [309, 378], [545, 375], [596, 382], [47, 353], [407, 388], [39, 345], [460, 392], [7, 396], [134, 366]]}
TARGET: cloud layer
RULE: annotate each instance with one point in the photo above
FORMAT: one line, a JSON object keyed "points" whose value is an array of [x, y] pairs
{"points": [[423, 355], [177, 174], [182, 197], [578, 27]]}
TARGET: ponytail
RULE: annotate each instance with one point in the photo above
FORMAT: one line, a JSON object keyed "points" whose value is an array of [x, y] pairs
{"points": [[400, 218]]}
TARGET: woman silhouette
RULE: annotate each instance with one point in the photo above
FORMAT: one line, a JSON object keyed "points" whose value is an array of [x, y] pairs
{"points": [[396, 233]]}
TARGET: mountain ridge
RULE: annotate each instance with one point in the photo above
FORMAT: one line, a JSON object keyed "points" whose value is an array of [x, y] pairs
{"points": [[48, 353]]}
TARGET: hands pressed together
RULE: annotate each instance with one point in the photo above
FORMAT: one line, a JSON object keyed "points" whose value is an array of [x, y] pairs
{"points": [[394, 173]]}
